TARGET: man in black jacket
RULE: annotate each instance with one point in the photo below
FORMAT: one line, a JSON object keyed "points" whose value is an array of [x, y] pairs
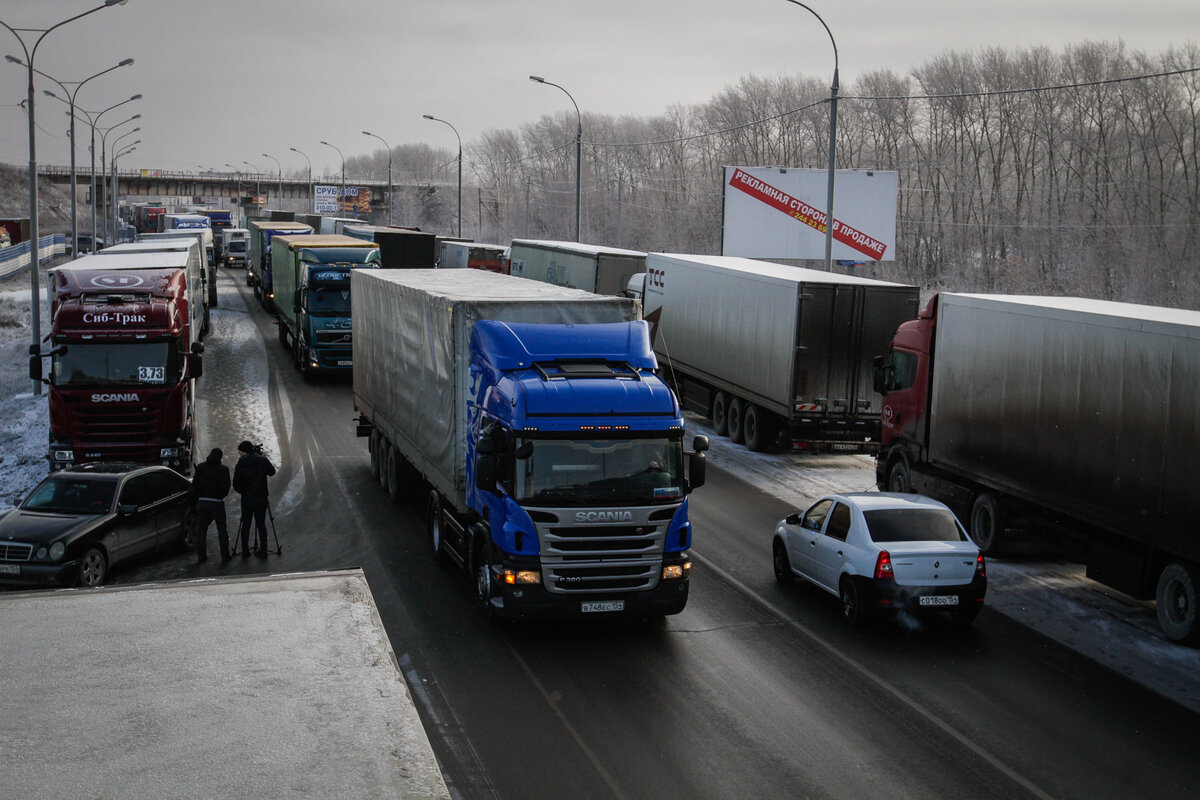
{"points": [[211, 484], [250, 481]]}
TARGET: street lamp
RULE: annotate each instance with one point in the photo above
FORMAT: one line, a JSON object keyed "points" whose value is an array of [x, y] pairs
{"points": [[342, 200], [116, 229], [389, 151], [280, 168], [103, 153], [257, 180], [456, 136], [93, 119], [833, 98], [34, 283], [578, 146], [307, 161], [238, 173], [70, 101]]}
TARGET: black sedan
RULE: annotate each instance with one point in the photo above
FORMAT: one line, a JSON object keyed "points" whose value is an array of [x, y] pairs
{"points": [[80, 522]]}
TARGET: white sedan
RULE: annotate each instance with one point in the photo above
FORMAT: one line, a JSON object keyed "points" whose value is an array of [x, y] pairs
{"points": [[879, 551]]}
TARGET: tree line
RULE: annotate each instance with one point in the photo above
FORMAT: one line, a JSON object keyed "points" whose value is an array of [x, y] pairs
{"points": [[1035, 171]]}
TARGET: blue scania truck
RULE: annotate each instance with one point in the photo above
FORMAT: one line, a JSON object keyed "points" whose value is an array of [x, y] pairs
{"points": [[311, 280], [550, 451]]}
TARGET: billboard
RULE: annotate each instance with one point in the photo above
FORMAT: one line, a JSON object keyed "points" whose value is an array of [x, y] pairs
{"points": [[357, 200], [772, 212]]}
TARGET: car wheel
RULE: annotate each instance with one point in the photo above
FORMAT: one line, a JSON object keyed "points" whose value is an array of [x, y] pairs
{"points": [[963, 616], [93, 567], [781, 562], [854, 613], [734, 421], [986, 524], [758, 427], [720, 415], [1176, 598], [435, 528], [188, 538], [899, 479]]}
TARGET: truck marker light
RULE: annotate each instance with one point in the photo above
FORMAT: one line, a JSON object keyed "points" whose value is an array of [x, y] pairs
{"points": [[675, 571], [512, 576]]}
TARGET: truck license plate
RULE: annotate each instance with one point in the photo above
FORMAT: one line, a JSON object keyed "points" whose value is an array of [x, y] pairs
{"points": [[845, 446], [345, 363], [940, 600], [10, 569], [593, 606]]}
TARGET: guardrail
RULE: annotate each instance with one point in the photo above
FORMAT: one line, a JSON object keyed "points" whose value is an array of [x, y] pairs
{"points": [[16, 258]]}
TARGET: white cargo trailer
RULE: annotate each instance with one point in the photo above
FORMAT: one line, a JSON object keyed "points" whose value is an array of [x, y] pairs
{"points": [[603, 270]]}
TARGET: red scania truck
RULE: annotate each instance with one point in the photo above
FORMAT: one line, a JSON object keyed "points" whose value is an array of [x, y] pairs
{"points": [[124, 356]]}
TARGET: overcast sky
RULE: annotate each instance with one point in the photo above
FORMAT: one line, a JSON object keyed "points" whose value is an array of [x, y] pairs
{"points": [[225, 81]]}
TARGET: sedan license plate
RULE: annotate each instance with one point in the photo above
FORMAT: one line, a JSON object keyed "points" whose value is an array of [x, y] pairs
{"points": [[595, 606], [940, 600], [10, 569]]}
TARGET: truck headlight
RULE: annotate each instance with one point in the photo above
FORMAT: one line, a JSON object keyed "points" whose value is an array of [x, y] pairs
{"points": [[514, 576], [57, 550], [64, 455], [169, 452], [676, 571]]}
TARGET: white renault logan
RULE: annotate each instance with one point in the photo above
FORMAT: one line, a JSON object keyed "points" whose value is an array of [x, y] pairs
{"points": [[879, 551]]}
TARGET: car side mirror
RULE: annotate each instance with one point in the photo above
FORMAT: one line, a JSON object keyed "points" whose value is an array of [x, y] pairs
{"points": [[792, 519], [126, 510]]}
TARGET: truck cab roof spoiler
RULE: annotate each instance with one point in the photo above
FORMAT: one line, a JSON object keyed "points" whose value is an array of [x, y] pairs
{"points": [[565, 370]]}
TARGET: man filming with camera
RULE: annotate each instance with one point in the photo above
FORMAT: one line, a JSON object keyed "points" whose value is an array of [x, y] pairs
{"points": [[250, 481]]}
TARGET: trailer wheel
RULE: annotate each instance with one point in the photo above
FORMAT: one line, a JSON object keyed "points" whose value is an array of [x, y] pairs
{"points": [[393, 474], [435, 528], [986, 525], [759, 428], [373, 449], [382, 447], [734, 420], [1177, 603], [720, 415], [899, 479]]}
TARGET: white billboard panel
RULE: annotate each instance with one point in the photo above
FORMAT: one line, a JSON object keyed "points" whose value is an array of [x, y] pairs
{"points": [[772, 212]]}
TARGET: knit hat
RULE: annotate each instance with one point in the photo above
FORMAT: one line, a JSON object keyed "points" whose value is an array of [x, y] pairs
{"points": [[245, 447]]}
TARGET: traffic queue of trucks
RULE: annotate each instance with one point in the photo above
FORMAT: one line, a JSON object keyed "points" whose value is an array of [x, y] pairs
{"points": [[258, 267], [553, 451]]}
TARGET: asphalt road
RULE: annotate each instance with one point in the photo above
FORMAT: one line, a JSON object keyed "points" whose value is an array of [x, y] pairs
{"points": [[755, 690]]}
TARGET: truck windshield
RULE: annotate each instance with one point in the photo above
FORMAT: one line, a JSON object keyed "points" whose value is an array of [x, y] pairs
{"points": [[117, 364], [587, 472], [237, 246], [329, 298]]}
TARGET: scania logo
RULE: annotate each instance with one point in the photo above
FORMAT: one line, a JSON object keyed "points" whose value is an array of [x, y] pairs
{"points": [[604, 516], [117, 281], [115, 397]]}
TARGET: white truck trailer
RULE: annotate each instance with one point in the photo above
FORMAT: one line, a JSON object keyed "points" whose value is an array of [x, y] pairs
{"points": [[601, 270], [274, 686]]}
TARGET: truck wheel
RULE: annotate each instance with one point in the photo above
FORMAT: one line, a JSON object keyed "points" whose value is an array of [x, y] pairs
{"points": [[720, 416], [435, 528], [1177, 603], [93, 567], [758, 427], [986, 525], [383, 447], [734, 421], [781, 562], [373, 449], [899, 479], [393, 474]]}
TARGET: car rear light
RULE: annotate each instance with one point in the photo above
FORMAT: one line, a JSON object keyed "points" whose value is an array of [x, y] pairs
{"points": [[980, 567], [883, 566]]}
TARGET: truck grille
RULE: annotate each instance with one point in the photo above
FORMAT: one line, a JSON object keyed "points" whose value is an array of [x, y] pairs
{"points": [[333, 337], [595, 559], [11, 551], [118, 431]]}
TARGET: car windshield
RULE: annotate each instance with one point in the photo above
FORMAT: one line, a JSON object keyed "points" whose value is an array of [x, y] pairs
{"points": [[71, 494], [587, 472], [913, 525], [117, 364]]}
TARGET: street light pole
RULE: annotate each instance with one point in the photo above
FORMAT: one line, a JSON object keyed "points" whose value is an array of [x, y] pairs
{"points": [[34, 283], [238, 175], [70, 101], [456, 136], [103, 158], [389, 151], [578, 146], [833, 98], [342, 199], [311, 199], [92, 121], [115, 178], [257, 179], [279, 167]]}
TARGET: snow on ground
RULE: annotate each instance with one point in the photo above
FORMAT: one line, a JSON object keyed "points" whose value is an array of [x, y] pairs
{"points": [[1052, 597]]}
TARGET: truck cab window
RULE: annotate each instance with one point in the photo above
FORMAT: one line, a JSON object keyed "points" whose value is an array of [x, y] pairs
{"points": [[904, 370]]}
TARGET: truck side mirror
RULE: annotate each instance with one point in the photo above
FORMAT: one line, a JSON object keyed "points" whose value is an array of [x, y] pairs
{"points": [[697, 463], [35, 368], [195, 364], [485, 473], [197, 348], [296, 301], [881, 374]]}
